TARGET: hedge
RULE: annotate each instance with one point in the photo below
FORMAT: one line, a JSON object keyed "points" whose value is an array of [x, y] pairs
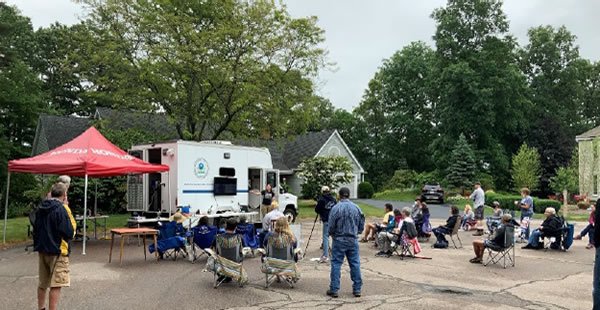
{"points": [[508, 202], [365, 190]]}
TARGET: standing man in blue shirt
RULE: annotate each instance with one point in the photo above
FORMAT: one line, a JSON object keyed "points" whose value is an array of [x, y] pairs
{"points": [[346, 222]]}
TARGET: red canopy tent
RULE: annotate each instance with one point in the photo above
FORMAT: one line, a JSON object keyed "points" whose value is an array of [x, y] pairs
{"points": [[89, 154]]}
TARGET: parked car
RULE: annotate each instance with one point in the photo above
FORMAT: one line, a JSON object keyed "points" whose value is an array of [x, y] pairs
{"points": [[432, 192]]}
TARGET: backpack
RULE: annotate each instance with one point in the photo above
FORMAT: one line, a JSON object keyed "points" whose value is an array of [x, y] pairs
{"points": [[411, 230]]}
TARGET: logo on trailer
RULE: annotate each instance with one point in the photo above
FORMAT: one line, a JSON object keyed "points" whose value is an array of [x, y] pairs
{"points": [[201, 168]]}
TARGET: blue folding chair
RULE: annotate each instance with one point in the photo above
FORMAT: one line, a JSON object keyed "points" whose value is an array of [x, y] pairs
{"points": [[248, 233], [203, 237], [170, 240]]}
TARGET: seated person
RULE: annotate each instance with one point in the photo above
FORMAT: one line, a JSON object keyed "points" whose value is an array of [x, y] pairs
{"points": [[408, 225], [385, 237], [416, 209], [280, 239], [550, 227], [440, 231], [421, 220], [495, 241], [273, 214], [494, 221], [225, 244], [589, 229], [468, 218], [372, 229]]}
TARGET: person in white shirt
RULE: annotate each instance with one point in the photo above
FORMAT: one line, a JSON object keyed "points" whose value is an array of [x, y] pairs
{"points": [[273, 214], [478, 198]]}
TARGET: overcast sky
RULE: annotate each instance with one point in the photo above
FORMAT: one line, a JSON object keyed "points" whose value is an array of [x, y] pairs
{"points": [[361, 33]]}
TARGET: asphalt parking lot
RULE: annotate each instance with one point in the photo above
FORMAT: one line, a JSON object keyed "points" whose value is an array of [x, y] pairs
{"points": [[540, 280]]}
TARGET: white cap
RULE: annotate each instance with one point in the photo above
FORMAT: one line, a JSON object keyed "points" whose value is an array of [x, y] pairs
{"points": [[324, 189]]}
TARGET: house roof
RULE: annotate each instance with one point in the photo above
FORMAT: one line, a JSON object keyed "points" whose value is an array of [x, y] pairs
{"points": [[592, 133], [286, 153], [305, 146]]}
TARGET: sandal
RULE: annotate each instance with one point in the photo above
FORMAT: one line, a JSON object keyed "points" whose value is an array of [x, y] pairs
{"points": [[363, 240], [589, 246]]}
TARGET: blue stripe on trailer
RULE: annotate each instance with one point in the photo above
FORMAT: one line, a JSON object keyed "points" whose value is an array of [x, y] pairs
{"points": [[206, 191]]}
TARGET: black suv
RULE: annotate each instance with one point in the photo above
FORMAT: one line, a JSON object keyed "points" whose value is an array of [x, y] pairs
{"points": [[432, 191]]}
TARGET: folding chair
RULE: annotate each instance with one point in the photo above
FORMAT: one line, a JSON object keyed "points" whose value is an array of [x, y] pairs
{"points": [[278, 263], [227, 262], [170, 241], [403, 248], [505, 253], [248, 233], [202, 238], [454, 232]]}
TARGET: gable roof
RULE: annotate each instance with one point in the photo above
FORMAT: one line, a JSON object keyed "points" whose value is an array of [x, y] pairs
{"points": [[305, 146], [147, 122], [53, 131], [592, 133]]}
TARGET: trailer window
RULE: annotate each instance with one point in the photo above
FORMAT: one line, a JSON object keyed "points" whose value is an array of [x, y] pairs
{"points": [[225, 186], [272, 179], [226, 172]]}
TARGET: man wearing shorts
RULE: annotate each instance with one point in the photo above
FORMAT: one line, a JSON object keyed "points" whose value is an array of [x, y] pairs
{"points": [[53, 228], [478, 198]]}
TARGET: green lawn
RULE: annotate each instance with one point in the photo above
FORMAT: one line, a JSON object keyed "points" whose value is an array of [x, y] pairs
{"points": [[16, 228], [307, 209], [397, 195]]}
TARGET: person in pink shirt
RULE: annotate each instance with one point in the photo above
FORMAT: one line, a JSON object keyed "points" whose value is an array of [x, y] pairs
{"points": [[589, 230]]}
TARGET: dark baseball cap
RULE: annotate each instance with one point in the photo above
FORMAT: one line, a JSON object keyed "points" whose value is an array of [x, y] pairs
{"points": [[344, 192]]}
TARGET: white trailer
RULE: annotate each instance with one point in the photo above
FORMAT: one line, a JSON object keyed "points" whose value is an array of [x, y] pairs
{"points": [[210, 177]]}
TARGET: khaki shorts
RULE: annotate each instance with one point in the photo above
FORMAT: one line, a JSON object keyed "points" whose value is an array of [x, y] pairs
{"points": [[53, 271]]}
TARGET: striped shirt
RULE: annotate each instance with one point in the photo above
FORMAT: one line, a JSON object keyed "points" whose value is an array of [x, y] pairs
{"points": [[346, 220]]}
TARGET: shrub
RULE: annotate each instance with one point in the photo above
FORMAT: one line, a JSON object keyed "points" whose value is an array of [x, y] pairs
{"points": [[409, 179], [365, 190], [508, 202]]}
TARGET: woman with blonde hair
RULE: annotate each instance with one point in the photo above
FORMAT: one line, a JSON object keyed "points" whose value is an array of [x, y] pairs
{"points": [[468, 216], [282, 237]]}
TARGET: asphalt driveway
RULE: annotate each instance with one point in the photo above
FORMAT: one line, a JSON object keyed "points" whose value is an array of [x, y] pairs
{"points": [[437, 211]]}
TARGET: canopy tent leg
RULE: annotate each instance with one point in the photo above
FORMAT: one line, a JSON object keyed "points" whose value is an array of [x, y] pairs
{"points": [[96, 198], [6, 208], [85, 213]]}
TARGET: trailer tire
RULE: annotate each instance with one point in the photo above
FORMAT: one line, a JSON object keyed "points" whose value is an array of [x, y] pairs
{"points": [[290, 213]]}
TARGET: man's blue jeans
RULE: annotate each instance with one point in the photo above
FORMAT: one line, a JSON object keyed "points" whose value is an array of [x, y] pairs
{"points": [[345, 247], [534, 238], [596, 283], [326, 239]]}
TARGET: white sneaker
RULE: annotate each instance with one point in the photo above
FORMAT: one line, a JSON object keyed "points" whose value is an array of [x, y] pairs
{"points": [[324, 259]]}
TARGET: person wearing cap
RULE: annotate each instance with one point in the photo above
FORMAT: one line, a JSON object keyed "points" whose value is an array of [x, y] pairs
{"points": [[478, 198], [324, 205], [495, 241], [494, 221], [346, 222], [549, 227]]}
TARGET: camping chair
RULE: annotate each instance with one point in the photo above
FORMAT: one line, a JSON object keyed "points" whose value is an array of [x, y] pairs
{"points": [[202, 238], [248, 233], [226, 262], [170, 241], [505, 253], [454, 232], [404, 247], [279, 263], [561, 240]]}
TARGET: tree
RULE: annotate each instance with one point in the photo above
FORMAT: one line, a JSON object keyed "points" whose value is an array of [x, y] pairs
{"points": [[526, 168], [331, 171], [216, 67], [482, 91], [550, 61], [462, 170]]}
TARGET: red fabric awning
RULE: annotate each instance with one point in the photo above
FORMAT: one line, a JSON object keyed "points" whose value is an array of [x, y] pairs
{"points": [[90, 153]]}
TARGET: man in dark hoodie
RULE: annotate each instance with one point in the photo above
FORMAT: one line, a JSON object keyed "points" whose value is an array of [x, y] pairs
{"points": [[324, 205], [53, 228]]}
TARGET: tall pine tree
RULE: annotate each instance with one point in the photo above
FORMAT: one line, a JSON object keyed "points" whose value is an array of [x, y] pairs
{"points": [[462, 165]]}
